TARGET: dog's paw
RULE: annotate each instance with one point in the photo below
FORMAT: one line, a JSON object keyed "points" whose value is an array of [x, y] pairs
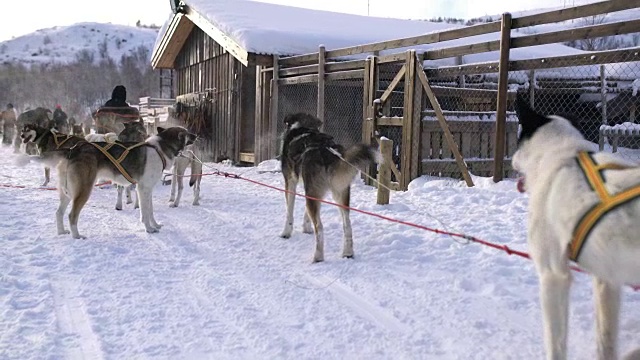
{"points": [[347, 256], [285, 235], [118, 207], [152, 230], [307, 230], [318, 258], [78, 236], [173, 205], [64, 232]]}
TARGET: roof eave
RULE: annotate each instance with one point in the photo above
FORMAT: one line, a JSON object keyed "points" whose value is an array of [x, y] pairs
{"points": [[172, 41], [229, 44]]}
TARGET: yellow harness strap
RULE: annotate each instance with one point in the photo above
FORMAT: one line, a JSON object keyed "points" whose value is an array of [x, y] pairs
{"points": [[608, 202], [57, 137], [116, 162]]}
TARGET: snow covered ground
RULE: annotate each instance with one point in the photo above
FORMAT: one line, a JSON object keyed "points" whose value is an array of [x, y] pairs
{"points": [[219, 283]]}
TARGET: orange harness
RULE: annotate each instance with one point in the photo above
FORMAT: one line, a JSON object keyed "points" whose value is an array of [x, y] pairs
{"points": [[608, 202], [117, 161]]}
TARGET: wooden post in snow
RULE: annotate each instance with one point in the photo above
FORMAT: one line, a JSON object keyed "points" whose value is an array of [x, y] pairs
{"points": [[501, 111]]}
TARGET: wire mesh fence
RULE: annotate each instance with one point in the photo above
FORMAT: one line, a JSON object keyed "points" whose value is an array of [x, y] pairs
{"points": [[343, 115], [601, 100]]}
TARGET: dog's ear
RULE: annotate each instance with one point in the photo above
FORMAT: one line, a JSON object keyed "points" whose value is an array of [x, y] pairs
{"points": [[529, 119], [160, 129]]}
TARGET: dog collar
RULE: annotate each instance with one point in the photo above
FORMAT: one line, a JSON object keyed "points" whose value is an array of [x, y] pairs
{"points": [[608, 202]]}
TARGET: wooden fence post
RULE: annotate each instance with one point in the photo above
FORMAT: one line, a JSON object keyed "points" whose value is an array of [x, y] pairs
{"points": [[603, 94], [321, 83], [370, 88], [384, 173], [407, 120], [273, 103], [532, 88], [501, 111]]}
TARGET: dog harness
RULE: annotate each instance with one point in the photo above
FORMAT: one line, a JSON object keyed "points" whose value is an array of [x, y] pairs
{"points": [[608, 202], [117, 161]]}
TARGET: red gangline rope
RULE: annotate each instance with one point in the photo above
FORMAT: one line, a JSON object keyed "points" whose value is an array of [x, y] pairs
{"points": [[474, 239]]}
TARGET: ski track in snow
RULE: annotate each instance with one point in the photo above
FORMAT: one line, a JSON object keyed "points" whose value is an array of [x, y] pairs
{"points": [[218, 282]]}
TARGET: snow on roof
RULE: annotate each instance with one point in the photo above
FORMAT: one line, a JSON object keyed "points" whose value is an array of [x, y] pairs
{"points": [[265, 28]]}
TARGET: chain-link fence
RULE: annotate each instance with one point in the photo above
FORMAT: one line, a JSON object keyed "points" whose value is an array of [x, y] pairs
{"points": [[343, 106], [600, 99]]}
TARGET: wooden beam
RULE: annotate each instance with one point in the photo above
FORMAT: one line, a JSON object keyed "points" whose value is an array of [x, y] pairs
{"points": [[345, 75], [321, 87], [501, 112], [445, 127], [384, 175], [584, 32], [229, 44], [398, 43], [396, 80], [416, 119], [273, 102], [329, 68], [548, 17], [476, 48], [589, 58], [369, 125], [171, 43], [407, 125]]}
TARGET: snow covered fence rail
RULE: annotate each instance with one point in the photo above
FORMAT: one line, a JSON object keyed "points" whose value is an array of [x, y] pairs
{"points": [[626, 135]]}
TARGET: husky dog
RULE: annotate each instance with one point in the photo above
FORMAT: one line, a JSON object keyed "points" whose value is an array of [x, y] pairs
{"points": [[50, 144], [583, 207], [133, 132], [77, 130], [190, 157], [142, 164], [323, 165]]}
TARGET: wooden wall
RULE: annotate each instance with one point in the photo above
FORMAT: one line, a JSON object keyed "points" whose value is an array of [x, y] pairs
{"points": [[207, 71]]}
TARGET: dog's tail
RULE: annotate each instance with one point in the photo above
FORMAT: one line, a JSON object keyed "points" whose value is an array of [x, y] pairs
{"points": [[356, 158], [361, 156], [196, 172]]}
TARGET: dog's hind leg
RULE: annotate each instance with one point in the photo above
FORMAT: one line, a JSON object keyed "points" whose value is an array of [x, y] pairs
{"points": [[178, 177], [146, 208], [47, 176], [342, 198], [554, 295], [127, 191], [64, 202], [289, 196], [607, 301], [132, 188], [119, 189], [196, 168], [313, 209]]}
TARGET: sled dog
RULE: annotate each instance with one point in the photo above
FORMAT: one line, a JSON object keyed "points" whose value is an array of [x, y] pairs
{"points": [[584, 207], [190, 158], [133, 132], [141, 164], [49, 144], [313, 157]]}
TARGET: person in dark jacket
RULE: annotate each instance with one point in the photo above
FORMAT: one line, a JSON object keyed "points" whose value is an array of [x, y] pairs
{"points": [[119, 102], [118, 97]]}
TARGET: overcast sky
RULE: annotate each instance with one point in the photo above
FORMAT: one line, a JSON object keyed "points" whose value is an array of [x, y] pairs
{"points": [[26, 16]]}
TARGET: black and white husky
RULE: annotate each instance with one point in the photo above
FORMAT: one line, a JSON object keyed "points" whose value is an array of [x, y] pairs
{"points": [[584, 207], [142, 164], [313, 157]]}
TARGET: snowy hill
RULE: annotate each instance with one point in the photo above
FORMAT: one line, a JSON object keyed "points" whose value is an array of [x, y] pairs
{"points": [[63, 44]]}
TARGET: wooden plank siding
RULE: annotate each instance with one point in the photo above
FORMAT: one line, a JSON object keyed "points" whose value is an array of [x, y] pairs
{"points": [[226, 87]]}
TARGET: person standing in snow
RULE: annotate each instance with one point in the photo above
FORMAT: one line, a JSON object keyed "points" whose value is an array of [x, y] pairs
{"points": [[8, 118]]}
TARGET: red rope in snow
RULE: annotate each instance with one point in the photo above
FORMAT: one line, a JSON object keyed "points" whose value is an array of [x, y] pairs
{"points": [[470, 238]]}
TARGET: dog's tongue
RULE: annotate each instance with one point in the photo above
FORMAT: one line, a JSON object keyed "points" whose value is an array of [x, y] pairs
{"points": [[521, 184]]}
